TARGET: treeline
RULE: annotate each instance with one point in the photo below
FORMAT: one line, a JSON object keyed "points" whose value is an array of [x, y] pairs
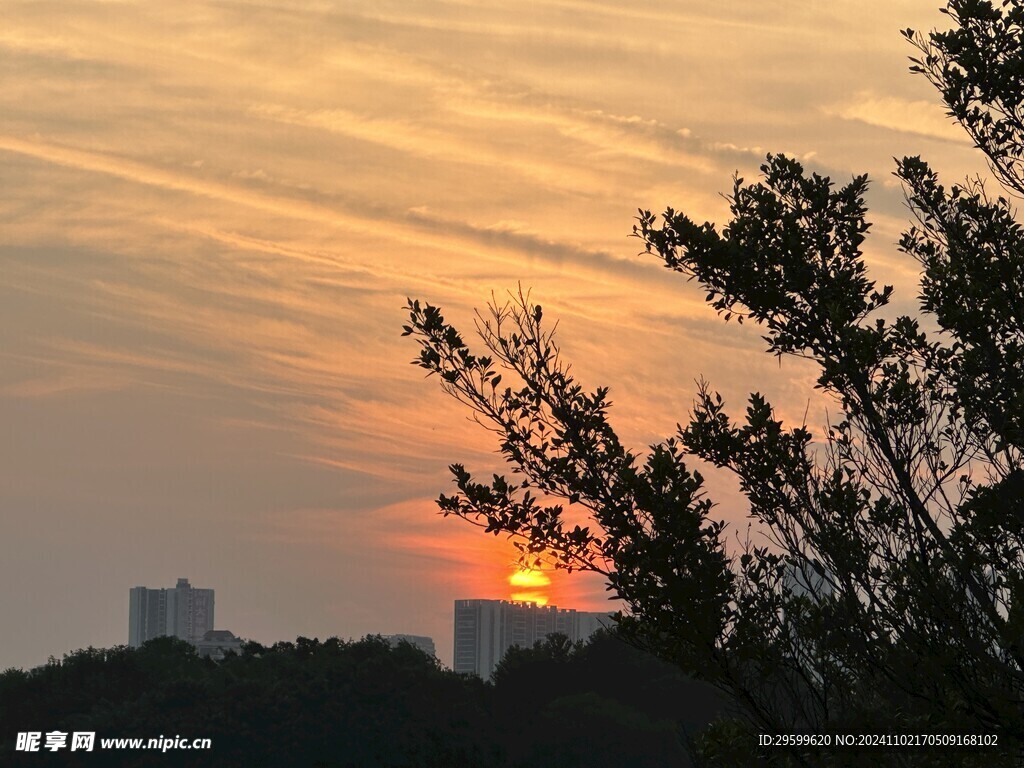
{"points": [[361, 704]]}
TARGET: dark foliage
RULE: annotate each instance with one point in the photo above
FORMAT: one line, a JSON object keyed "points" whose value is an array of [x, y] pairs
{"points": [[336, 704], [307, 703], [888, 592], [599, 704]]}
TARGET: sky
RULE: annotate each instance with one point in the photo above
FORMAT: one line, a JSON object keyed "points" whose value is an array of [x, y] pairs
{"points": [[211, 216]]}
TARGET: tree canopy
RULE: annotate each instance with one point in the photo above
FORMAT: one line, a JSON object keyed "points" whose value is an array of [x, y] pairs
{"points": [[887, 594], [335, 704]]}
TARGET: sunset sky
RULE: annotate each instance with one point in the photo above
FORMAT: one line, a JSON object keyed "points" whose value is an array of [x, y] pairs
{"points": [[212, 214]]}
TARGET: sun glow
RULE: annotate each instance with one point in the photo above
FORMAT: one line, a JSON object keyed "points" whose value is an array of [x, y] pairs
{"points": [[529, 585], [530, 597]]}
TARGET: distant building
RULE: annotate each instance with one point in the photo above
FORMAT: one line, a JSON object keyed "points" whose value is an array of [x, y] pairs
{"points": [[216, 643], [486, 629], [803, 579], [425, 644], [182, 611]]}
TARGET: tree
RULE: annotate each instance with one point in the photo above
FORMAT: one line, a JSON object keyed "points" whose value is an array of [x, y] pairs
{"points": [[332, 704], [598, 703], [888, 592]]}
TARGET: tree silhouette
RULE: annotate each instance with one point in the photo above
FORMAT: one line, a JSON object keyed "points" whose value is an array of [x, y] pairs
{"points": [[335, 704], [329, 704], [888, 594]]}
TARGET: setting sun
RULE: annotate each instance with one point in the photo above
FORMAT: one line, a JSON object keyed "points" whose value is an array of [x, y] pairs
{"points": [[530, 585]]}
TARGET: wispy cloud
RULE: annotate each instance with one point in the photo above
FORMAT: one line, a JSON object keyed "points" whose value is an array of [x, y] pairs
{"points": [[212, 215], [922, 118]]}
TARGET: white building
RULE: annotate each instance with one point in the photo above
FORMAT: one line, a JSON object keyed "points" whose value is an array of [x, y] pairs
{"points": [[182, 611], [486, 629]]}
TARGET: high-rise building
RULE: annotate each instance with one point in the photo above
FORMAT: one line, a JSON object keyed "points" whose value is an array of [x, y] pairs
{"points": [[486, 629], [804, 580], [182, 611]]}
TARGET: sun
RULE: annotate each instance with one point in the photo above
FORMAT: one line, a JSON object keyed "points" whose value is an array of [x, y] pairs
{"points": [[528, 585]]}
